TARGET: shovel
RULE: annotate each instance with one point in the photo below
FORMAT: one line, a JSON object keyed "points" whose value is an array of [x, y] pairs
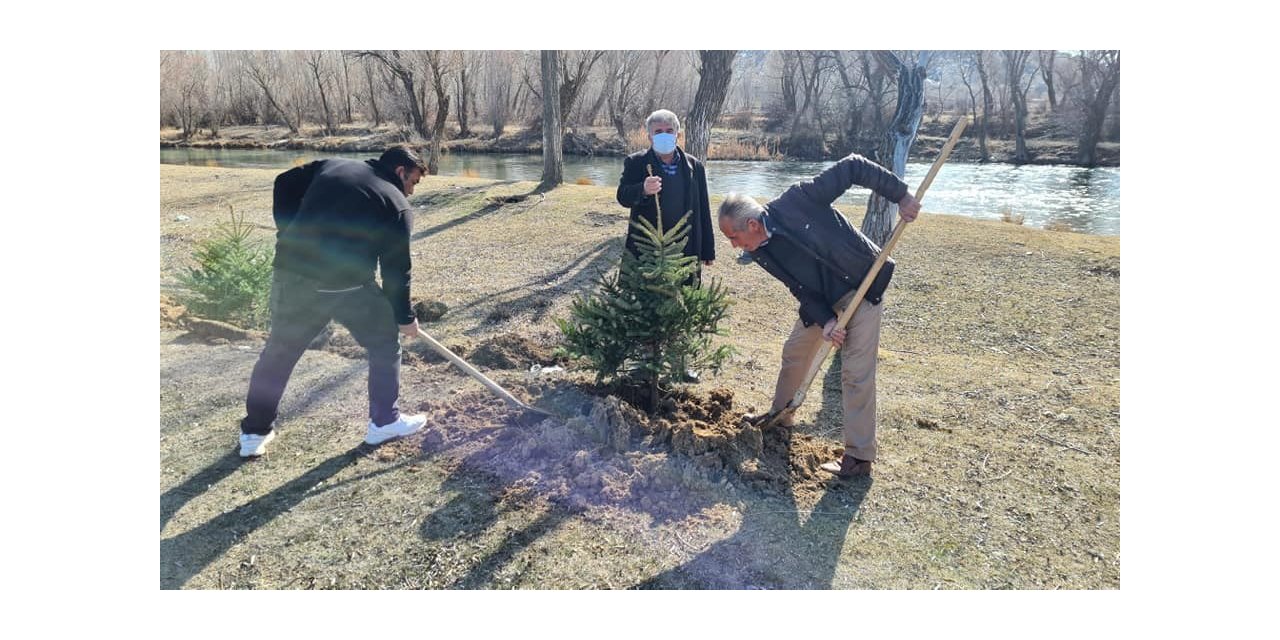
{"points": [[530, 412], [774, 418]]}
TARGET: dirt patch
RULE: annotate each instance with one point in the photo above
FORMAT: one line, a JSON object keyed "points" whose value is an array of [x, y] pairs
{"points": [[1109, 267], [429, 310], [512, 351], [171, 313]]}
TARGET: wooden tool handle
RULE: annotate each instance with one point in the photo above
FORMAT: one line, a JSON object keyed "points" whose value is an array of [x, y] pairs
{"points": [[471, 371]]}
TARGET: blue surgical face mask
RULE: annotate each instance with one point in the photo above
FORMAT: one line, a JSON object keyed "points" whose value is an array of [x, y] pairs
{"points": [[664, 143]]}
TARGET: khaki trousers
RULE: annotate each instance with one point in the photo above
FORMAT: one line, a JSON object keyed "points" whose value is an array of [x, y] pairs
{"points": [[857, 373]]}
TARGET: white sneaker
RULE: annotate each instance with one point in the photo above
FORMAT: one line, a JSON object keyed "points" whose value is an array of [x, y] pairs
{"points": [[253, 445], [398, 429]]}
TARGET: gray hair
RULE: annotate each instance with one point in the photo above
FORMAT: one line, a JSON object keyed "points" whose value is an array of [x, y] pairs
{"points": [[663, 116], [739, 209]]}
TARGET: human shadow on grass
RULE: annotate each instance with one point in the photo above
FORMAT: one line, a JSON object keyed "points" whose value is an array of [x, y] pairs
{"points": [[187, 554], [773, 548]]}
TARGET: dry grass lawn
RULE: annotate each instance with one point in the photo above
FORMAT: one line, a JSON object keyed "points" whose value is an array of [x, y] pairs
{"points": [[999, 411]]}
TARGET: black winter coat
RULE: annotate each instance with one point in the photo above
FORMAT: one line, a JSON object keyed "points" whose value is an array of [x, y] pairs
{"points": [[702, 241]]}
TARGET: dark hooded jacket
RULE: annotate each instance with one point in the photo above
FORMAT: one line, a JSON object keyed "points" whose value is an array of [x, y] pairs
{"points": [[337, 220]]}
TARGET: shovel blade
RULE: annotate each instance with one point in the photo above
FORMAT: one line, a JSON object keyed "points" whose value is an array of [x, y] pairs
{"points": [[773, 418]]}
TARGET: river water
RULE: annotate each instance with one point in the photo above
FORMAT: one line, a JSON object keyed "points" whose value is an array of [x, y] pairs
{"points": [[1084, 200]]}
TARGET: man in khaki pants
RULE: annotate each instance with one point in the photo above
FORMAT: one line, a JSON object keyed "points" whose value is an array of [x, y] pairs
{"points": [[802, 240]]}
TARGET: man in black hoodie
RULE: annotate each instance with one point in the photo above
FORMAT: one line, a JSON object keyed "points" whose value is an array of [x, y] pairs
{"points": [[338, 220]]}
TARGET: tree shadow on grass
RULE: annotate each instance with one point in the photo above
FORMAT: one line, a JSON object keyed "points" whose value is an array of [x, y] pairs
{"points": [[175, 498], [495, 204], [537, 294], [475, 510], [187, 554]]}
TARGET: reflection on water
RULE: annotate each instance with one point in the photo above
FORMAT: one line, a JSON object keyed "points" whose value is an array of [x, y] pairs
{"points": [[1085, 200]]}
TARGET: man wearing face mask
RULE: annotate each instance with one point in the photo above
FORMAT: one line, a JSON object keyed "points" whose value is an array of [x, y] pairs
{"points": [[679, 183], [338, 220]]}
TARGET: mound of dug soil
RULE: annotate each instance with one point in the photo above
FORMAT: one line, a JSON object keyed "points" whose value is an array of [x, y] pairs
{"points": [[691, 454], [171, 312], [511, 351]]}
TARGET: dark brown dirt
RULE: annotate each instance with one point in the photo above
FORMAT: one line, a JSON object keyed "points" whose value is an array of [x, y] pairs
{"points": [[512, 351], [429, 310], [171, 313]]}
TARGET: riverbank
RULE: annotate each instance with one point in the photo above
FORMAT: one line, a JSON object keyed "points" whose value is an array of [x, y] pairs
{"points": [[999, 400], [726, 144]]}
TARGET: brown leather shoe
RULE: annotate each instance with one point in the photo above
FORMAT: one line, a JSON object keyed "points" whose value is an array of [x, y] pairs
{"points": [[848, 467]]}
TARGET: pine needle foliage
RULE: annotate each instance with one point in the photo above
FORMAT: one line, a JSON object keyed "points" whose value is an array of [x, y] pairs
{"points": [[648, 321]]}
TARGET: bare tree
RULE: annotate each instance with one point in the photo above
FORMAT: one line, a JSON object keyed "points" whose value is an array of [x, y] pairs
{"points": [[1099, 77], [552, 132], [574, 70], [878, 223], [1046, 71], [652, 98], [402, 68], [807, 140], [315, 61], [371, 97], [622, 90], [966, 69], [184, 88], [263, 67], [347, 91], [465, 90], [1015, 65], [715, 73], [875, 77], [439, 65], [496, 80], [848, 135]]}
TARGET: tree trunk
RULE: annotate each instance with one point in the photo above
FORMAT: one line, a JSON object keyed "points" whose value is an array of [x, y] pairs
{"points": [[713, 85], [1100, 74], [373, 96], [1046, 71], [314, 63], [875, 86], [986, 106], [552, 133], [464, 103], [878, 223], [439, 84], [1015, 68], [346, 81]]}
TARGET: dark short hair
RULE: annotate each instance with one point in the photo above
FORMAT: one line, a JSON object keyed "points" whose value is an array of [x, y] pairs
{"points": [[401, 155]]}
